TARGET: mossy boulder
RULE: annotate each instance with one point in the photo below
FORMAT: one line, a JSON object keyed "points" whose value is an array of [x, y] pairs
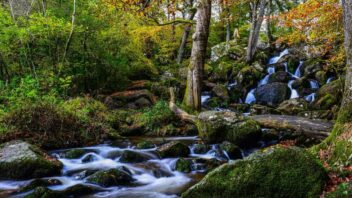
{"points": [[40, 183], [174, 149], [129, 156], [201, 148], [215, 127], [293, 106], [283, 172], [248, 76], [20, 160], [112, 177], [328, 95], [43, 192], [75, 153], [183, 165], [145, 145]]}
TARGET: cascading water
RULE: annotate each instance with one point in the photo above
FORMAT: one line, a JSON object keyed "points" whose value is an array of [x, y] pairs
{"points": [[329, 80], [275, 59], [265, 80], [314, 84], [294, 93], [205, 97], [250, 99], [310, 97], [298, 70]]}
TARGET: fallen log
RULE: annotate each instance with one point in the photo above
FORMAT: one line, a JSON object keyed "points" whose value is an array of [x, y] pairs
{"points": [[312, 128]]}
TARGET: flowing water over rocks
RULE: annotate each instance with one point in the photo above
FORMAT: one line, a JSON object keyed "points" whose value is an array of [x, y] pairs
{"points": [[123, 170]]}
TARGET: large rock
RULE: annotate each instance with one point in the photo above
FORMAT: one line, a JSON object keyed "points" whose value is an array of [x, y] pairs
{"points": [[272, 94], [174, 149], [215, 127], [282, 172], [112, 177], [132, 99], [129, 156], [20, 160]]}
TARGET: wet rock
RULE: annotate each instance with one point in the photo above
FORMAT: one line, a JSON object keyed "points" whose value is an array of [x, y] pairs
{"points": [[79, 190], [20, 160], [272, 94], [43, 192], [129, 156], [114, 154], [215, 127], [183, 165], [280, 76], [239, 107], [145, 145], [75, 153], [112, 177], [174, 149], [282, 172], [221, 92], [201, 148], [248, 77], [233, 151], [40, 183], [293, 106]]}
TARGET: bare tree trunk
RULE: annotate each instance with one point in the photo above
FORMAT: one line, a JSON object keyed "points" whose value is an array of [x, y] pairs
{"points": [[185, 35], [258, 10], [71, 32], [192, 98]]}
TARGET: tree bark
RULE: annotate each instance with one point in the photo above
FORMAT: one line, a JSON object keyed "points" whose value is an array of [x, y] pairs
{"points": [[258, 10], [347, 12], [185, 35], [68, 42], [192, 98]]}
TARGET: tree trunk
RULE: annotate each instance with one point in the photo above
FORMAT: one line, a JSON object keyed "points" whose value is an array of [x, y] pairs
{"points": [[192, 98], [337, 146], [347, 12], [258, 10], [185, 35]]}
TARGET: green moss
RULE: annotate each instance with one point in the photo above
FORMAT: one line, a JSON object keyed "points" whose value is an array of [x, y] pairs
{"points": [[174, 149], [281, 173], [75, 153], [244, 133], [43, 192], [183, 165], [145, 145]]}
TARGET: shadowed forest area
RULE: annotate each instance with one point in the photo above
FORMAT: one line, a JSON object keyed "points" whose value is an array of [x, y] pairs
{"points": [[176, 98]]}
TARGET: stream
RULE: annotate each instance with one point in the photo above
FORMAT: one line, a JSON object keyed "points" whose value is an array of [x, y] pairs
{"points": [[155, 177]]}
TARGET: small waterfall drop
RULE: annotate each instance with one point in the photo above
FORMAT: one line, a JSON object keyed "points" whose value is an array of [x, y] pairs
{"points": [[329, 80], [250, 99], [314, 84], [298, 73], [275, 59], [294, 93], [310, 97]]}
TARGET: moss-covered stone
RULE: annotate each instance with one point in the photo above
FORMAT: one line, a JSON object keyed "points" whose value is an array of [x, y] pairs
{"points": [[183, 165], [201, 148], [145, 145], [112, 177], [20, 160], [328, 96], [75, 153], [78, 190], [215, 127], [283, 172], [40, 183], [249, 76], [174, 149], [293, 106], [129, 156], [43, 192]]}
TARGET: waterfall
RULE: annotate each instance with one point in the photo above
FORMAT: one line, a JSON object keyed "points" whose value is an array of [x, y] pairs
{"points": [[265, 80], [329, 80], [298, 70], [314, 84], [205, 97], [294, 93], [310, 97], [275, 59], [250, 99]]}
